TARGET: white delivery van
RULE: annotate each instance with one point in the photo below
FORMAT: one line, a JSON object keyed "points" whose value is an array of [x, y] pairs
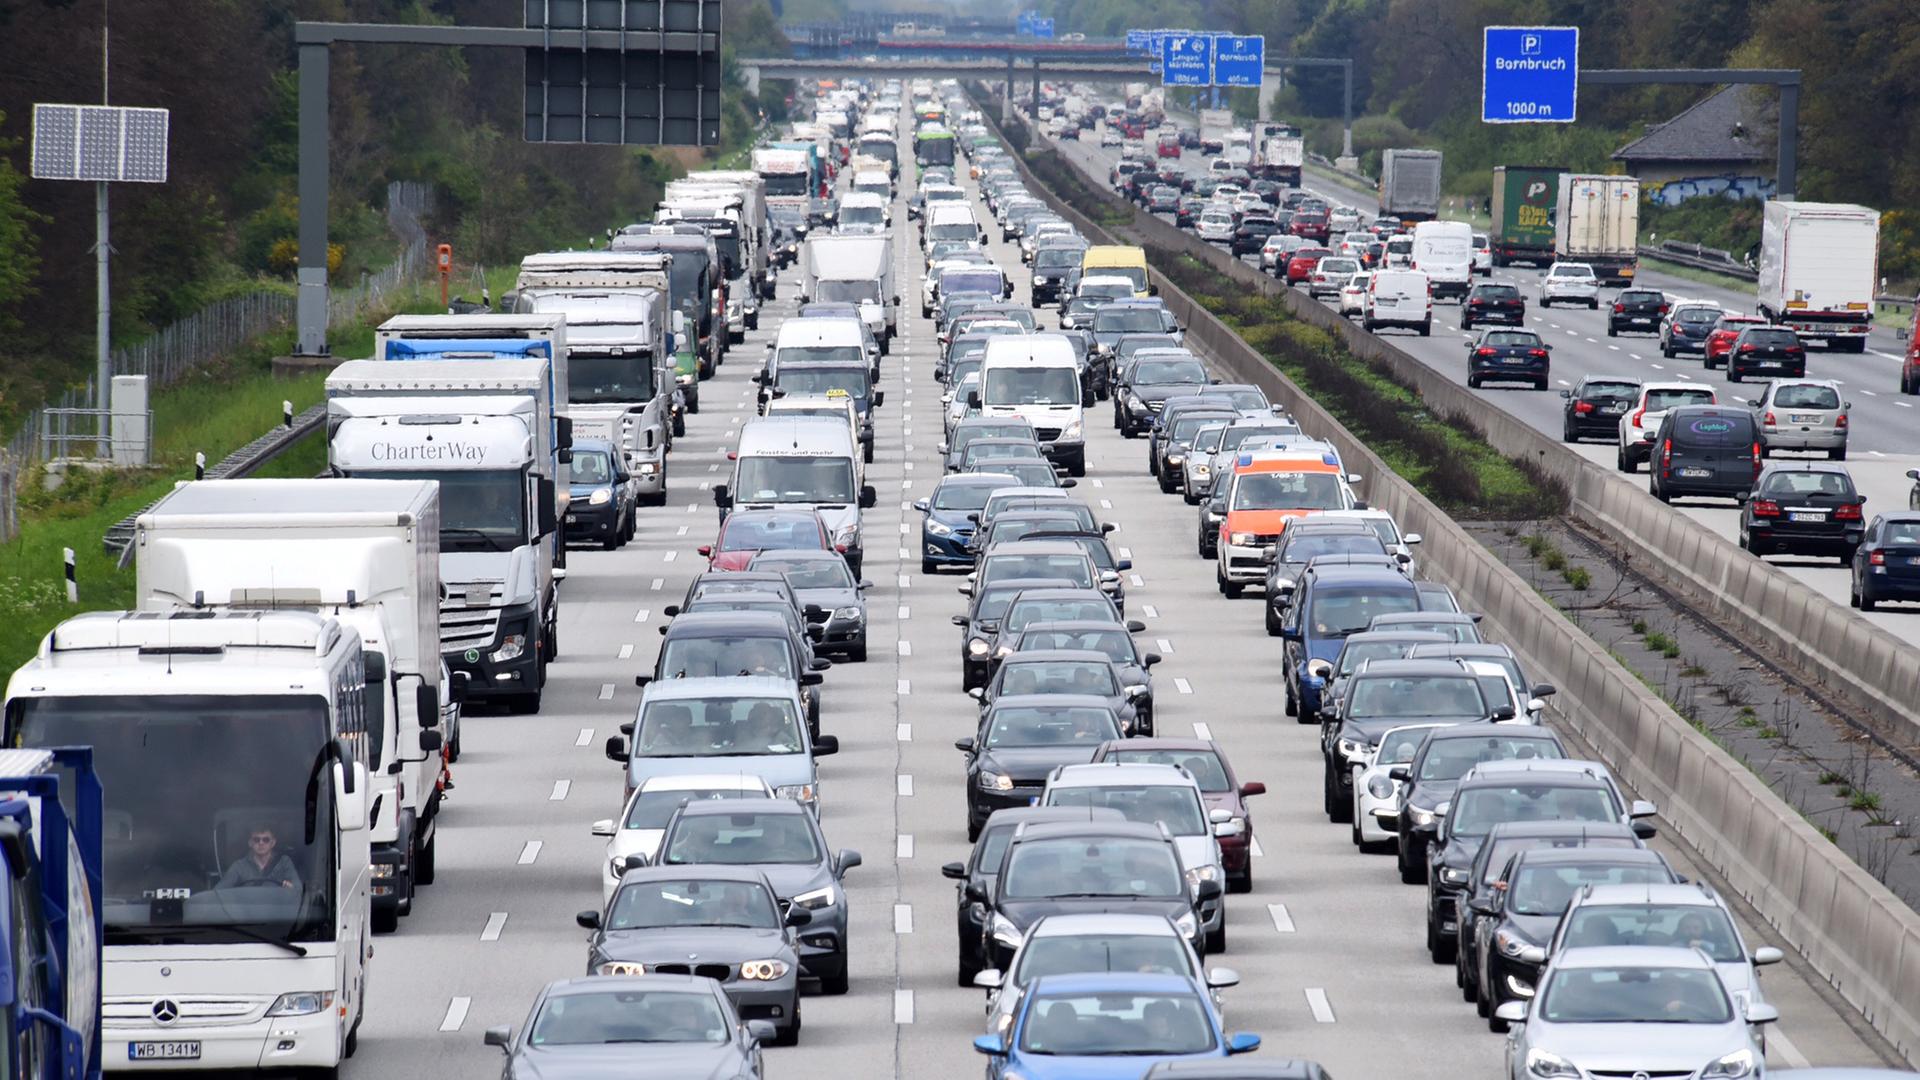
{"points": [[1036, 377], [950, 221], [855, 270], [804, 462], [1401, 298], [835, 403], [1443, 250], [861, 214]]}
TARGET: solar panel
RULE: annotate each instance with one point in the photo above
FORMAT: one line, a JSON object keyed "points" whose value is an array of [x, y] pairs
{"points": [[99, 142]]}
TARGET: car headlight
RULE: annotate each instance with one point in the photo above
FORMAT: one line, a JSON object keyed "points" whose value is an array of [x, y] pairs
{"points": [[993, 781], [1420, 817], [1187, 924], [1134, 402], [1452, 875], [796, 792], [1355, 748], [1201, 468], [1381, 787], [308, 1002], [763, 970], [510, 648], [976, 647], [935, 528], [1547, 1065], [1176, 459], [1198, 874], [622, 967], [1282, 584], [1508, 942], [1737, 1064], [1003, 652], [1005, 932], [1071, 431], [821, 897], [848, 614], [1240, 539], [600, 497], [845, 536]]}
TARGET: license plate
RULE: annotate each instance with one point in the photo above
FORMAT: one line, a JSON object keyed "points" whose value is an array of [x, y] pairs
{"points": [[1801, 418], [1913, 560], [1513, 359], [1807, 515], [1614, 410], [163, 1051], [1693, 473]]}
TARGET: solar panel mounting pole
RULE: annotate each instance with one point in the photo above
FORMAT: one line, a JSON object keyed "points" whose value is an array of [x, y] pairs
{"points": [[103, 297]]}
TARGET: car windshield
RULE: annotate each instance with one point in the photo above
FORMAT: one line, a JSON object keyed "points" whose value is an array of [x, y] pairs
{"points": [[741, 839], [1203, 765], [1449, 759], [1090, 609], [1184, 427], [1303, 548], [809, 573], [1398, 746], [846, 377], [1773, 339], [1684, 926], [652, 809], [1057, 677], [1115, 643], [590, 467], [653, 905], [630, 1016], [1173, 805], [1338, 612], [1796, 484], [1461, 631], [961, 496], [1117, 319], [955, 282], [1636, 995], [1207, 439], [1093, 866], [1075, 568], [1547, 890], [827, 479], [977, 452], [1244, 400], [1055, 258], [722, 726], [1287, 491], [1478, 810], [1453, 696], [1788, 396], [756, 532], [1117, 1024], [1073, 954], [1169, 372], [790, 356], [1028, 726], [847, 291]]}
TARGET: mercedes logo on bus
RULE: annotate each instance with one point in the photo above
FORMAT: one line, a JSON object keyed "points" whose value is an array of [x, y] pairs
{"points": [[165, 1012]]}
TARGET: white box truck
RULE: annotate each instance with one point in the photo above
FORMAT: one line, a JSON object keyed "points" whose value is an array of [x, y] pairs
{"points": [[216, 736], [1819, 269], [1410, 184], [857, 270], [1597, 222], [1279, 153], [1214, 126], [482, 429], [363, 552]]}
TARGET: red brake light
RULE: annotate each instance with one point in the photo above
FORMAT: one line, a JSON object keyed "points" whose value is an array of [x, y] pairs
{"points": [[1583, 407], [1850, 512], [1618, 308], [1638, 415], [1756, 466], [1666, 454], [1766, 508], [1878, 558], [1746, 348], [1537, 354], [1840, 421], [1769, 419], [1483, 352]]}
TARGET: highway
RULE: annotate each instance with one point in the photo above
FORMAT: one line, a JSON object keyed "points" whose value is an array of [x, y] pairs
{"points": [[1328, 944], [1882, 445]]}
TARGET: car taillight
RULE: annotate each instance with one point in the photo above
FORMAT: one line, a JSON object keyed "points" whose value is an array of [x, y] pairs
{"points": [[1666, 455], [1840, 421], [1756, 467], [1765, 508], [1796, 351], [1663, 309], [1746, 348], [1537, 354], [1638, 414], [1768, 419], [1878, 558], [1483, 352], [1850, 512], [1582, 408], [1619, 308]]}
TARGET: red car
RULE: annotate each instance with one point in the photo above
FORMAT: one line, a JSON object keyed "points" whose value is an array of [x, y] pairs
{"points": [[1219, 789], [746, 533], [1720, 341], [1311, 224], [1168, 146], [1301, 264]]}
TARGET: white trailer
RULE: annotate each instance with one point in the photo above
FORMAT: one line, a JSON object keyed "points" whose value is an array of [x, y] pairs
{"points": [[1819, 270], [854, 269], [1597, 222]]}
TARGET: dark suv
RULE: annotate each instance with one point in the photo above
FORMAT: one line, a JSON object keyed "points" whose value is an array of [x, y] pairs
{"points": [[1703, 450], [983, 865], [1386, 694], [1803, 508], [1766, 350], [1637, 309], [1594, 407], [1427, 782], [1495, 301]]}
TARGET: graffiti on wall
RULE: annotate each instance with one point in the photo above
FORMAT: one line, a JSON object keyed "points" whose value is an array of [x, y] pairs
{"points": [[1675, 192]]}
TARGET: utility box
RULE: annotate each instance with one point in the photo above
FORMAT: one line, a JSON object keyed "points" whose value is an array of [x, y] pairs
{"points": [[131, 421]]}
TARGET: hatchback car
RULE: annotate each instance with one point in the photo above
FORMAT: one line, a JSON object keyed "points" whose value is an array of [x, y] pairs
{"points": [[1429, 781], [746, 533], [1021, 740], [649, 1023], [1802, 414], [643, 821], [975, 877], [714, 725], [1220, 789], [1077, 944], [1109, 1025], [950, 516], [602, 507], [1594, 406], [1886, 565], [1570, 283], [1687, 326], [1758, 350], [1803, 509], [1353, 295], [1637, 310], [1494, 301], [1330, 274], [1720, 339], [1509, 356], [1642, 417]]}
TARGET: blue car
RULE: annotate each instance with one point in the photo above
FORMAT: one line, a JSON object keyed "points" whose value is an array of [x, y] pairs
{"points": [[1329, 603], [1109, 1025], [952, 513]]}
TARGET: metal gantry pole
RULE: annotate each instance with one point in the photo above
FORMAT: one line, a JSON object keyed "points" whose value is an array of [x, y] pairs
{"points": [[311, 300]]}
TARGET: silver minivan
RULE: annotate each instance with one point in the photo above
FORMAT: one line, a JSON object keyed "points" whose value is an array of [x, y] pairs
{"points": [[1802, 414]]}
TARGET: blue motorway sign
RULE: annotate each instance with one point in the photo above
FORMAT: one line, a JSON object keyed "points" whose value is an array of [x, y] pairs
{"points": [[1043, 28], [1187, 59], [1023, 22], [1238, 61], [1136, 40], [1531, 75]]}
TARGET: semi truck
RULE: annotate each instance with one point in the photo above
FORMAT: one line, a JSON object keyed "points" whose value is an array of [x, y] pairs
{"points": [[50, 830], [1597, 222], [231, 748], [1410, 184], [365, 553], [483, 429], [698, 287], [1819, 268], [854, 269], [1524, 197], [1279, 153], [752, 189], [1214, 125]]}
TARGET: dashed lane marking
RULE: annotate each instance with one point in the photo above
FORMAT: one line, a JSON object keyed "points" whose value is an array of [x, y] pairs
{"points": [[903, 846], [456, 1014], [626, 652], [559, 792], [1282, 921], [903, 732], [903, 784], [1183, 686], [530, 852], [903, 918], [606, 691], [585, 738], [496, 922], [1201, 730], [1322, 1008]]}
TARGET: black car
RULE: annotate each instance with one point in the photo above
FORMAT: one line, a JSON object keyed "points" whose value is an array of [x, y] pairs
{"points": [[1077, 312], [1250, 235], [1146, 384], [1053, 262], [1803, 508], [1509, 356], [1703, 450], [1302, 542], [1078, 672], [1094, 543], [831, 597], [1637, 309], [1112, 639], [981, 624], [1686, 328], [721, 643], [1212, 512], [1383, 695], [978, 873], [1886, 565], [1766, 349], [1498, 924], [1495, 301], [1594, 407], [1072, 868], [1187, 210], [1021, 740], [1429, 780]]}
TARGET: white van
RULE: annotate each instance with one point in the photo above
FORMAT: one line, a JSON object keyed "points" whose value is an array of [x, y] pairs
{"points": [[1443, 250], [837, 404], [861, 214], [801, 461], [1037, 377], [950, 221], [803, 341], [1401, 298]]}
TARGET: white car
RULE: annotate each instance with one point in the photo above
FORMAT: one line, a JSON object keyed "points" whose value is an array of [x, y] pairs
{"points": [[1248, 200], [643, 821], [1646, 412], [1330, 275], [1273, 251], [1216, 225], [1482, 255], [1376, 794], [1343, 219], [1109, 136], [1353, 294], [1570, 283], [1219, 166]]}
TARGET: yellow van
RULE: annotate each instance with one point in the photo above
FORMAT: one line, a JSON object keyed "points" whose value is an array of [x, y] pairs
{"points": [[1115, 260]]}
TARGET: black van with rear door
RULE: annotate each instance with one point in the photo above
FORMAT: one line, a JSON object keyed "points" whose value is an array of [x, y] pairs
{"points": [[1704, 450]]}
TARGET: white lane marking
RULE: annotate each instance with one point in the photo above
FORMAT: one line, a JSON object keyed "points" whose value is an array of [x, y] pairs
{"points": [[1099, 483], [1322, 1008], [1258, 851], [1777, 1040], [905, 688], [1150, 611], [1183, 686], [495, 923], [905, 612], [1563, 382], [1126, 553], [906, 483], [1636, 356], [670, 556], [1869, 393], [904, 528], [1657, 367], [1683, 375], [1106, 504], [657, 584], [1904, 404], [682, 531], [705, 484], [640, 616], [1615, 348], [606, 691], [903, 847], [1555, 325], [456, 1014], [905, 554], [906, 648], [559, 792], [1590, 341], [530, 852], [1876, 453], [626, 651], [903, 581], [1134, 580], [585, 738], [1201, 730], [903, 918], [903, 732], [903, 1006], [1166, 644], [715, 467], [1282, 922], [903, 784]]}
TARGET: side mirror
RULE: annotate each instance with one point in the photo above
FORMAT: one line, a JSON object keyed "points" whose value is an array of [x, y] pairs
{"points": [[826, 745], [954, 870], [1532, 954], [1767, 954], [1208, 890], [798, 916], [544, 509], [978, 693], [1641, 808], [1242, 1042], [973, 399], [1410, 539], [965, 746], [1513, 1012], [1401, 773], [1502, 713], [501, 1037], [868, 497], [1221, 978], [704, 550], [923, 505], [1645, 830], [1566, 394], [1123, 564], [722, 496], [989, 979], [761, 1030], [588, 920], [1544, 690], [991, 1045], [813, 678], [879, 398], [1762, 1013], [603, 827], [431, 740], [617, 748], [1151, 659], [643, 680], [845, 861]]}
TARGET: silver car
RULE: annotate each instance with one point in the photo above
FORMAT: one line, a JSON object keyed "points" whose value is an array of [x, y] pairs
{"points": [[1075, 943], [1196, 466], [1634, 1010], [1690, 915], [1802, 414]]}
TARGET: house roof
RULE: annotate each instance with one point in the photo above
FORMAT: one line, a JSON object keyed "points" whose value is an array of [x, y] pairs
{"points": [[1734, 123]]}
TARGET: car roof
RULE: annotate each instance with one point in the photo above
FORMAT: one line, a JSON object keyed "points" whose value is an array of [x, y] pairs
{"points": [[1552, 772], [1061, 592], [1405, 668], [1556, 856], [797, 555], [709, 807], [604, 984], [1119, 773], [1339, 574], [702, 781], [1632, 956], [1651, 893], [1164, 742], [1395, 617], [1036, 547], [1265, 1069], [1077, 924], [975, 480], [707, 623], [1465, 650], [702, 871], [1010, 816], [1490, 730], [1588, 830], [1114, 981], [1035, 701], [707, 686], [1118, 828]]}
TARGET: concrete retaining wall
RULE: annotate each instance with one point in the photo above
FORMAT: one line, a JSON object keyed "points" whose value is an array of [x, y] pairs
{"points": [[1852, 929]]}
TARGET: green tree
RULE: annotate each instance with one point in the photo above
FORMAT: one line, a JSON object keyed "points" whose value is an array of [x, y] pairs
{"points": [[19, 247]]}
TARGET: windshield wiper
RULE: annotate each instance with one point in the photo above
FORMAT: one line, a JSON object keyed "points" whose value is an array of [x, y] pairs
{"points": [[208, 928], [491, 541]]}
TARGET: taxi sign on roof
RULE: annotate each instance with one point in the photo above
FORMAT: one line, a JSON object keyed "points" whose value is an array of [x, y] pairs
{"points": [[836, 392]]}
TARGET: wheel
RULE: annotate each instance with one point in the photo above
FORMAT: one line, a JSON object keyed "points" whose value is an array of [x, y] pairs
{"points": [[1867, 602], [1353, 818], [1338, 809], [1466, 324], [613, 539], [835, 985], [1654, 489], [1232, 589], [1217, 939], [1733, 372], [1623, 462], [1837, 454], [679, 425], [1411, 872], [790, 1035], [973, 829], [693, 403], [1469, 986], [423, 861], [858, 653], [1546, 302], [385, 920], [1566, 432], [524, 704], [866, 453], [1426, 328], [1273, 630], [1666, 350], [1593, 305], [1473, 382], [1441, 948], [1540, 384]]}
